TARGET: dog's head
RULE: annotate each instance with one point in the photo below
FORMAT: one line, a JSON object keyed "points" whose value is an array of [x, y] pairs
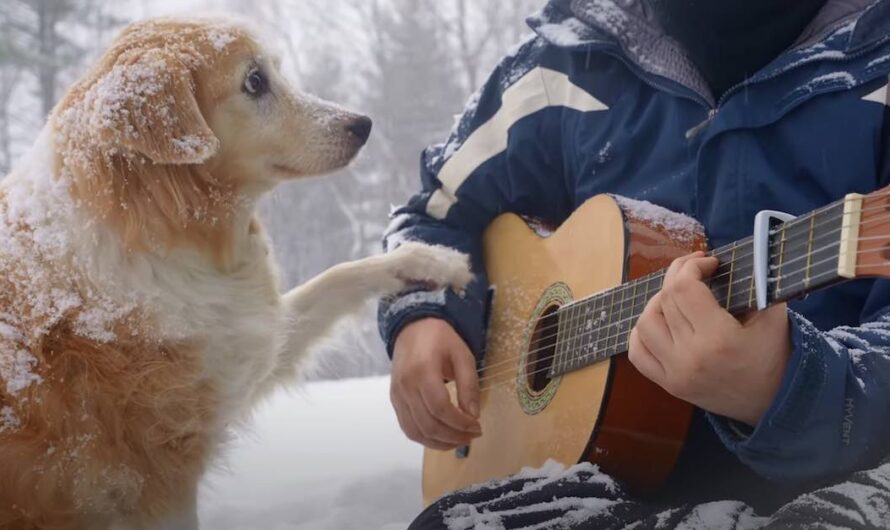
{"points": [[181, 119]]}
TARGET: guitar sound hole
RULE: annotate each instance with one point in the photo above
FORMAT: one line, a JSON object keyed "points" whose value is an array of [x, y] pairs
{"points": [[541, 350]]}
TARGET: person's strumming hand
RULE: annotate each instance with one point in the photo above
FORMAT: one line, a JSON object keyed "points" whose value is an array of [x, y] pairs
{"points": [[693, 348], [427, 353]]}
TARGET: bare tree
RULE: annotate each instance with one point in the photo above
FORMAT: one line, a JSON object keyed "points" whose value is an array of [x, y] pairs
{"points": [[409, 64], [483, 30], [9, 79], [34, 30], [44, 44]]}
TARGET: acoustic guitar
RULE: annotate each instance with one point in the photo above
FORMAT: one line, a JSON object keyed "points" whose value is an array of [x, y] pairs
{"points": [[556, 382]]}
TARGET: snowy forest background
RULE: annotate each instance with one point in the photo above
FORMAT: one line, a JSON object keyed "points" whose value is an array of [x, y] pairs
{"points": [[409, 64]]}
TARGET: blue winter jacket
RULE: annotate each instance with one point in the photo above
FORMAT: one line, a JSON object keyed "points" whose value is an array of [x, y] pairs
{"points": [[599, 100]]}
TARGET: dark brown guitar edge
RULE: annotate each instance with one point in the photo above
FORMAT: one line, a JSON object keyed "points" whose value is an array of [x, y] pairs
{"points": [[642, 429]]}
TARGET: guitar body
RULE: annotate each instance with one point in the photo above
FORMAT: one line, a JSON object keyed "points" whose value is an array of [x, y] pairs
{"points": [[606, 413]]}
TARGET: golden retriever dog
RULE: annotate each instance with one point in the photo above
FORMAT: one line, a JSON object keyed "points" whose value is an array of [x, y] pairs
{"points": [[140, 316]]}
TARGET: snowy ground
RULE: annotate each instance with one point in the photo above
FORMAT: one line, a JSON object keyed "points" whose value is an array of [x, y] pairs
{"points": [[328, 456]]}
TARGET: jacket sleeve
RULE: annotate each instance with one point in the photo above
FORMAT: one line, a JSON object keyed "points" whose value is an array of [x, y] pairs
{"points": [[831, 415], [504, 155]]}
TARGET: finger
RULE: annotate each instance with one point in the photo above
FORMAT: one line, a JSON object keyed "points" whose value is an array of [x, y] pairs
{"points": [[432, 429], [466, 378], [699, 266], [438, 403], [409, 426], [775, 313], [655, 336], [676, 265], [643, 360], [679, 326], [694, 298]]}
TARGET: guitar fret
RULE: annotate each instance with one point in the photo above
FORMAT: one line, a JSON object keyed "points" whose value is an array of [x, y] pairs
{"points": [[731, 273], [742, 295], [559, 364], [781, 260], [806, 280], [617, 331], [633, 309], [593, 335], [586, 348], [720, 280], [813, 244], [598, 319], [577, 349], [600, 312], [580, 350], [625, 314], [610, 310], [566, 343], [654, 284], [573, 337], [599, 327], [578, 353], [645, 301], [566, 336], [751, 291], [590, 351], [578, 340]]}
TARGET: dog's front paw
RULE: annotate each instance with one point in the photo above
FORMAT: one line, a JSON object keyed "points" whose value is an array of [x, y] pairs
{"points": [[434, 266]]}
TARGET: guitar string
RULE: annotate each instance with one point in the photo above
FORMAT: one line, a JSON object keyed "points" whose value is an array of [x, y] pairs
{"points": [[822, 248], [742, 280], [623, 344], [715, 253], [618, 323], [618, 344], [611, 308], [800, 240], [720, 252], [607, 338]]}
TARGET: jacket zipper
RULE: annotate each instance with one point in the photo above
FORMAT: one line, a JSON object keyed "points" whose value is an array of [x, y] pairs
{"points": [[694, 131], [695, 96], [712, 113]]}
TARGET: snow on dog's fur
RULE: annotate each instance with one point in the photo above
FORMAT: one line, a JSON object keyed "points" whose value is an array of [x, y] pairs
{"points": [[139, 308]]}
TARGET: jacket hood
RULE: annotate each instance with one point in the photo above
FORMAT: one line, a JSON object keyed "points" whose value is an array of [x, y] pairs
{"points": [[632, 26]]}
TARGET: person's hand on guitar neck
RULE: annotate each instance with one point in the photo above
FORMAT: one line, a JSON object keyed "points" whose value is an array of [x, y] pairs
{"points": [[427, 353], [689, 345]]}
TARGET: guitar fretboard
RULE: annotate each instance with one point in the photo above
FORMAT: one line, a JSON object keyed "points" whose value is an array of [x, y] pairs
{"points": [[803, 257]]}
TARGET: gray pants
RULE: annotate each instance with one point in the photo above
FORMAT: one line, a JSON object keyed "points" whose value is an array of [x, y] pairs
{"points": [[582, 498]]}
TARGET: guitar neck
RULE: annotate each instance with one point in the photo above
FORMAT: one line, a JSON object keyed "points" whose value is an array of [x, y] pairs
{"points": [[805, 254]]}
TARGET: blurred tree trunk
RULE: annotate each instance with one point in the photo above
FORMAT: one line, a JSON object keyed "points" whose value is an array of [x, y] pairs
{"points": [[409, 64], [47, 42], [37, 55], [483, 30], [9, 78]]}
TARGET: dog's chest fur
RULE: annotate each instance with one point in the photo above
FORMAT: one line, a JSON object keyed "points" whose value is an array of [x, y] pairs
{"points": [[232, 317], [134, 362]]}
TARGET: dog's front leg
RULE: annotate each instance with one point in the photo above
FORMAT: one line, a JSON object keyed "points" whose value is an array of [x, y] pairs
{"points": [[314, 307]]}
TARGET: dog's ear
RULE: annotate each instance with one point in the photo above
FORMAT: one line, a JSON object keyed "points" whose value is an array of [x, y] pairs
{"points": [[149, 106]]}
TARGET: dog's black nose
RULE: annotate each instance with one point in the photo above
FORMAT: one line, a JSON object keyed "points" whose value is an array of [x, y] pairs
{"points": [[361, 128]]}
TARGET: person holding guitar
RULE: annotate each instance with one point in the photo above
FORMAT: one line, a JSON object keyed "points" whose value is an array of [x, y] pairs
{"points": [[715, 110]]}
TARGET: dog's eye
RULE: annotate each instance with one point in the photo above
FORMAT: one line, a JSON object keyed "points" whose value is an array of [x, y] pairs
{"points": [[256, 84]]}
